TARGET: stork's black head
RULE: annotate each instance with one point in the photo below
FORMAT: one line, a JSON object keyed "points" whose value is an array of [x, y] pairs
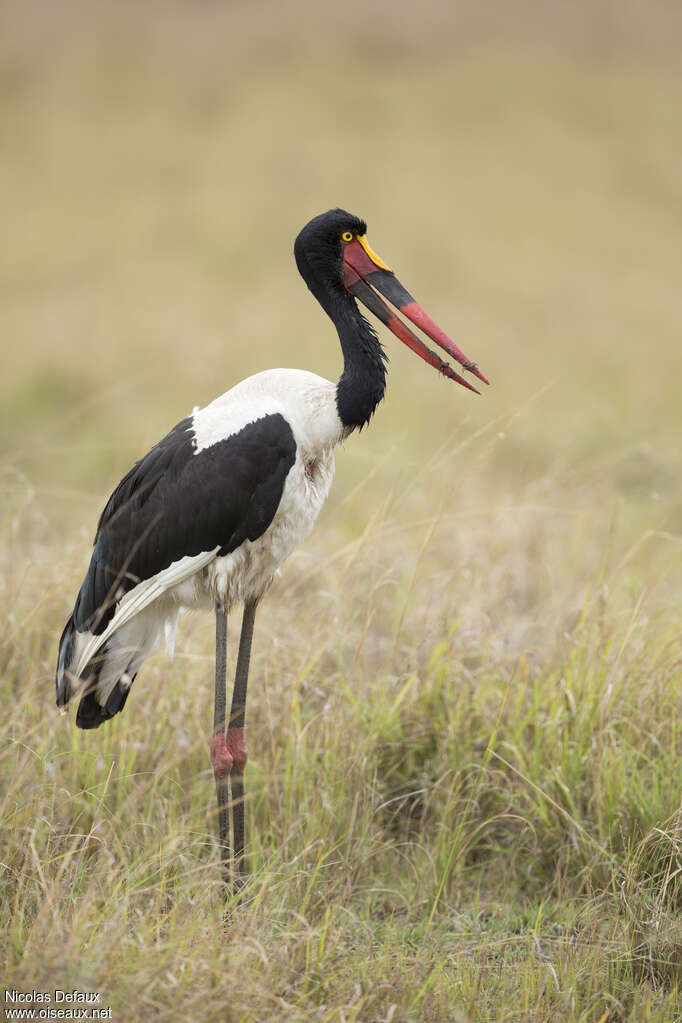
{"points": [[318, 250], [335, 260]]}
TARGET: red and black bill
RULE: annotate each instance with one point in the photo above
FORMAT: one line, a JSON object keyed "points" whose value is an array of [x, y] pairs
{"points": [[367, 277]]}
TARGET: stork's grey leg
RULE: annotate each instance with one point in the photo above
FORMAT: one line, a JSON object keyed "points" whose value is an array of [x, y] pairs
{"points": [[221, 758], [237, 744]]}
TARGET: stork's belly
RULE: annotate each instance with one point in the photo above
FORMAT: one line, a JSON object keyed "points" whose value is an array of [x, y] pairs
{"points": [[246, 573]]}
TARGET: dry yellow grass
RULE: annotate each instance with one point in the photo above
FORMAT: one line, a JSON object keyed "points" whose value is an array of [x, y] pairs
{"points": [[465, 775]]}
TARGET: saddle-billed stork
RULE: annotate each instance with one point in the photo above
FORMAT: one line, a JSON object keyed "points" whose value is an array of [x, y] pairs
{"points": [[206, 518]]}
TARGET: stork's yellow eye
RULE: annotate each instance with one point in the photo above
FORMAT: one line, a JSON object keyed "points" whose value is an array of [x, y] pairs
{"points": [[347, 236]]}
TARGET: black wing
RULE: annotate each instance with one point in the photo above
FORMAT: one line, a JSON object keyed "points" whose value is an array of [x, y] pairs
{"points": [[177, 501]]}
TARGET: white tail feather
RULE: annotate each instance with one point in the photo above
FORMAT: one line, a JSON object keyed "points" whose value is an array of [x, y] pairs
{"points": [[144, 594]]}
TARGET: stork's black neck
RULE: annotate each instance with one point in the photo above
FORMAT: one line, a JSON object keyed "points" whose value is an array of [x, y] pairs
{"points": [[363, 381], [317, 250]]}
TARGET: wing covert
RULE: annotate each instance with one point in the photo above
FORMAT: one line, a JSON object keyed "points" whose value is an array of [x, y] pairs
{"points": [[178, 502]]}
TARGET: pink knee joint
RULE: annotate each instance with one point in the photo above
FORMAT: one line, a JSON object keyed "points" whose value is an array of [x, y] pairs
{"points": [[236, 743], [228, 751], [221, 755]]}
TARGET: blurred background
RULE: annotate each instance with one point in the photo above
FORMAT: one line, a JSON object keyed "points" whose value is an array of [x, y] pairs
{"points": [[519, 167]]}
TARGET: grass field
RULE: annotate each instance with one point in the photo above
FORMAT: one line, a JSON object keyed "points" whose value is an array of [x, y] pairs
{"points": [[465, 722]]}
